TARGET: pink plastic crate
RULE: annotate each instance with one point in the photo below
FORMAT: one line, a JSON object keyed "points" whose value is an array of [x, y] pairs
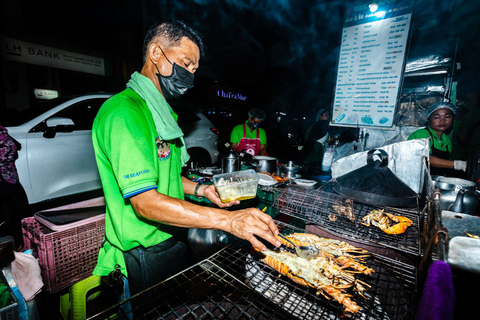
{"points": [[67, 256]]}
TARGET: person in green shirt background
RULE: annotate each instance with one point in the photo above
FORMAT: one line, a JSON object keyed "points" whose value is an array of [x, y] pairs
{"points": [[440, 119], [249, 137], [140, 151]]}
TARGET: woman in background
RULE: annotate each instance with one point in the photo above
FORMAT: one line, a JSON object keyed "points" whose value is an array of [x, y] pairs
{"points": [[10, 189], [440, 119]]}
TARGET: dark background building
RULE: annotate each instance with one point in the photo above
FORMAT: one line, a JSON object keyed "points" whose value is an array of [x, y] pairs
{"points": [[281, 55]]}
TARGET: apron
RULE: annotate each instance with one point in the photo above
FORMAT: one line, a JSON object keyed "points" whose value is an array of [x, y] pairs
{"points": [[251, 146], [439, 154]]}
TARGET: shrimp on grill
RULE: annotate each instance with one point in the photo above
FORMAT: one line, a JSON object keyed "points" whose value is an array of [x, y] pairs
{"points": [[350, 263], [309, 273], [347, 210], [326, 265], [342, 251], [335, 247], [387, 222]]}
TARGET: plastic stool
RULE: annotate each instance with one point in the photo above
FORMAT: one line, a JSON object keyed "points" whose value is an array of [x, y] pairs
{"points": [[73, 305]]}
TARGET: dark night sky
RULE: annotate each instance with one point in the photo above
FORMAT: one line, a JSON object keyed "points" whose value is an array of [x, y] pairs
{"points": [[282, 52]]}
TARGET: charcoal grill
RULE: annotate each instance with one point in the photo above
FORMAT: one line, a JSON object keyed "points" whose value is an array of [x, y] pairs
{"points": [[315, 206], [231, 284]]}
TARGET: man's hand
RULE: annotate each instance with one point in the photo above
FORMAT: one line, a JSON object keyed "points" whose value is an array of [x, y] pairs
{"points": [[210, 192], [247, 223]]}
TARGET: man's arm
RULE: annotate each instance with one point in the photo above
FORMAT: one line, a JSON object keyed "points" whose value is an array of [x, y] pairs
{"points": [[263, 150], [244, 224], [234, 146], [450, 164], [437, 162]]}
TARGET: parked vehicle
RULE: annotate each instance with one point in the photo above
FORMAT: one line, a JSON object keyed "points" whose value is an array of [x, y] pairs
{"points": [[57, 157]]}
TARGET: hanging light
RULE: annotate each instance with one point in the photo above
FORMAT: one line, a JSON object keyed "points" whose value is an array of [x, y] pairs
{"points": [[373, 7]]}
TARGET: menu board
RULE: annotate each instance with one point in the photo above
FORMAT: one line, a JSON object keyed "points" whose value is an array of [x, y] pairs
{"points": [[371, 64]]}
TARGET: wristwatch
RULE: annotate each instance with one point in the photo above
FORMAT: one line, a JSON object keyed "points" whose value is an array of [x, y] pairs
{"points": [[195, 193]]}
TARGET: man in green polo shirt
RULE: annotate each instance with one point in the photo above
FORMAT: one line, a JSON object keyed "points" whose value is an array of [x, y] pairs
{"points": [[140, 151], [248, 136]]}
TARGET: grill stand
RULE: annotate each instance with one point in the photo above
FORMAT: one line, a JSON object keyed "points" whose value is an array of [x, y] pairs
{"points": [[438, 250]]}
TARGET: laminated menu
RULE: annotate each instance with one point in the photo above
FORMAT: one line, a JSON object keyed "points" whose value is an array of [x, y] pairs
{"points": [[371, 64]]}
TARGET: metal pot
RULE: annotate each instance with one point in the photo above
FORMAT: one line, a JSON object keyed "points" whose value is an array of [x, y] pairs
{"points": [[291, 169], [230, 162], [450, 187], [205, 242], [264, 164]]}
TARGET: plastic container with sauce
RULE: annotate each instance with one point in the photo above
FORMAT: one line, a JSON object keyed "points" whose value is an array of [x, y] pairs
{"points": [[237, 185]]}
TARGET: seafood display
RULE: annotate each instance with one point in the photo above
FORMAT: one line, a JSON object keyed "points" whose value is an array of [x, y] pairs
{"points": [[332, 273], [345, 254], [387, 222], [345, 209]]}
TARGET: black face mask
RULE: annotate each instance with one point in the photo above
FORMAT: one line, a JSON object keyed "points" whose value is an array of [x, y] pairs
{"points": [[176, 84], [253, 125]]}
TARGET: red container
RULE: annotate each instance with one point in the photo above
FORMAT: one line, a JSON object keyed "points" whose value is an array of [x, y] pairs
{"points": [[67, 256]]}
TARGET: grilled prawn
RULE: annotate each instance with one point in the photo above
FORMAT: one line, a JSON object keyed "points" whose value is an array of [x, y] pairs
{"points": [[387, 222], [310, 273], [345, 254]]}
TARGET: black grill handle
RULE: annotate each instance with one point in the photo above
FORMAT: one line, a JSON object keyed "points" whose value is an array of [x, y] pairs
{"points": [[383, 158]]}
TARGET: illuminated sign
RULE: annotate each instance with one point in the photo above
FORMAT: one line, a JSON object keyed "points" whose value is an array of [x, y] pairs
{"points": [[231, 95], [371, 64], [45, 94], [25, 52]]}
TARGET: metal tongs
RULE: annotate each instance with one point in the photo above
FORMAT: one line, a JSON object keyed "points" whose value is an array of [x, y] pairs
{"points": [[305, 252]]}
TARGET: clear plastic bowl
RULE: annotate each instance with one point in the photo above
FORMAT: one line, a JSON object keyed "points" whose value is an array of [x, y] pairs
{"points": [[237, 185]]}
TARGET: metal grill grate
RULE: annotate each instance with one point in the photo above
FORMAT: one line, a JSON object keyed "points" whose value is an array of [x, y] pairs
{"points": [[231, 284], [315, 206]]}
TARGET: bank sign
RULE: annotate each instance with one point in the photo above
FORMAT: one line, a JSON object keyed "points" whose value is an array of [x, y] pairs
{"points": [[25, 52]]}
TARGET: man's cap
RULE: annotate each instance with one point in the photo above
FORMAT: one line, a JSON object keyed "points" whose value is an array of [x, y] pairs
{"points": [[440, 105], [257, 114]]}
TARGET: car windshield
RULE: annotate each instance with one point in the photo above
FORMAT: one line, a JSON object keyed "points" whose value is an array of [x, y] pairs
{"points": [[17, 118]]}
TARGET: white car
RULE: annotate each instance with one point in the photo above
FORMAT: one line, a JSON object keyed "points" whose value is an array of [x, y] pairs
{"points": [[57, 158]]}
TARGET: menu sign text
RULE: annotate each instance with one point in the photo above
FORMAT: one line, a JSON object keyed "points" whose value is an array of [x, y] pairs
{"points": [[371, 64]]}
